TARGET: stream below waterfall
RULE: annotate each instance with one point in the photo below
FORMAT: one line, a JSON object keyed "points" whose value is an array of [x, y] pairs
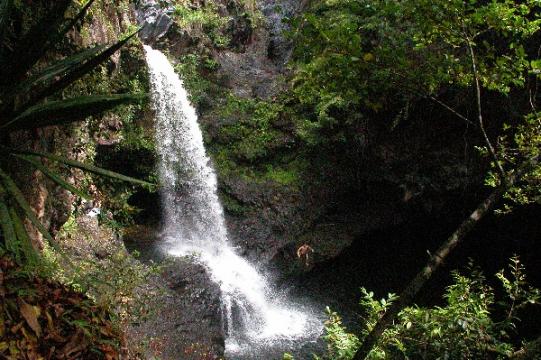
{"points": [[257, 317]]}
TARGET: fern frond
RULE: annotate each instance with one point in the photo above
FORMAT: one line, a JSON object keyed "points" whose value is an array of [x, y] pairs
{"points": [[77, 71]]}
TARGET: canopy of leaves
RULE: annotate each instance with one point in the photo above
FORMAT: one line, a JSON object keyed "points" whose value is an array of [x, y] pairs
{"points": [[358, 58]]}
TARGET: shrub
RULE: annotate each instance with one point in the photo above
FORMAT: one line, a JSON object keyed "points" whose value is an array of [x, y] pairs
{"points": [[472, 324]]}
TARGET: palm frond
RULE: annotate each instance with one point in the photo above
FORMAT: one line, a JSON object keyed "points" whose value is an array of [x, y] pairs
{"points": [[53, 176], [23, 240], [69, 110], [34, 43], [8, 231], [59, 68], [86, 167], [13, 191], [76, 71]]}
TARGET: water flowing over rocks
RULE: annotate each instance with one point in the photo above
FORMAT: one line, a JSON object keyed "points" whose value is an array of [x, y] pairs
{"points": [[335, 208], [336, 205]]}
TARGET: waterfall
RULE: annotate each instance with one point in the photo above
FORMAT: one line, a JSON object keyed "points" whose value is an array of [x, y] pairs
{"points": [[254, 312]]}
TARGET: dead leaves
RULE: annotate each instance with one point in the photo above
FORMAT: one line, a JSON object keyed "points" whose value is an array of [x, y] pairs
{"points": [[42, 320], [30, 314]]}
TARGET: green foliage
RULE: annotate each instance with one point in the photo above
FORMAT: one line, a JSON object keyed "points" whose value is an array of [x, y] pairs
{"points": [[69, 110], [195, 69], [470, 325], [284, 175], [210, 23], [329, 68], [340, 344], [206, 19], [246, 140], [520, 147], [358, 58], [253, 145], [253, 134], [110, 281]]}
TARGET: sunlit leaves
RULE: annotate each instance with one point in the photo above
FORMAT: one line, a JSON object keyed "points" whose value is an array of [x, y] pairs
{"points": [[472, 323], [521, 145], [357, 52]]}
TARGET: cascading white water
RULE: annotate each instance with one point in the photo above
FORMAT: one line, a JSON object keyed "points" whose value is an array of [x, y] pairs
{"points": [[194, 222]]}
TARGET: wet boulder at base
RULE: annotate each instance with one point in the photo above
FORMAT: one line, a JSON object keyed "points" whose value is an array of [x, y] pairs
{"points": [[184, 320]]}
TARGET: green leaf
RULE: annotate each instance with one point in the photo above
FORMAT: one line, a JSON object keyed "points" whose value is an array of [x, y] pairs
{"points": [[57, 69], [53, 176], [70, 110], [536, 66], [17, 195], [77, 72], [24, 241], [88, 167], [10, 239]]}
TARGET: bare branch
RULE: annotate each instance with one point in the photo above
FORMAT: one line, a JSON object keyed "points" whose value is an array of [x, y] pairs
{"points": [[439, 102], [480, 112]]}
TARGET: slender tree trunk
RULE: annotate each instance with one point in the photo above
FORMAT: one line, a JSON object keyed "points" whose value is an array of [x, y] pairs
{"points": [[490, 147], [437, 259]]}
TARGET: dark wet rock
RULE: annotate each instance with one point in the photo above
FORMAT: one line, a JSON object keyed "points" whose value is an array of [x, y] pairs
{"points": [[276, 12], [185, 319], [155, 18], [239, 28], [137, 162]]}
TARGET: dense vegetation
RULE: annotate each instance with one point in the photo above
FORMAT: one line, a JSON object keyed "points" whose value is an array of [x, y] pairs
{"points": [[472, 324], [359, 64], [365, 67], [55, 303]]}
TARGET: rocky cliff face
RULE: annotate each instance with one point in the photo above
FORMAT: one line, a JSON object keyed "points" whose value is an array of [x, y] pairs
{"points": [[52, 204], [155, 19]]}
